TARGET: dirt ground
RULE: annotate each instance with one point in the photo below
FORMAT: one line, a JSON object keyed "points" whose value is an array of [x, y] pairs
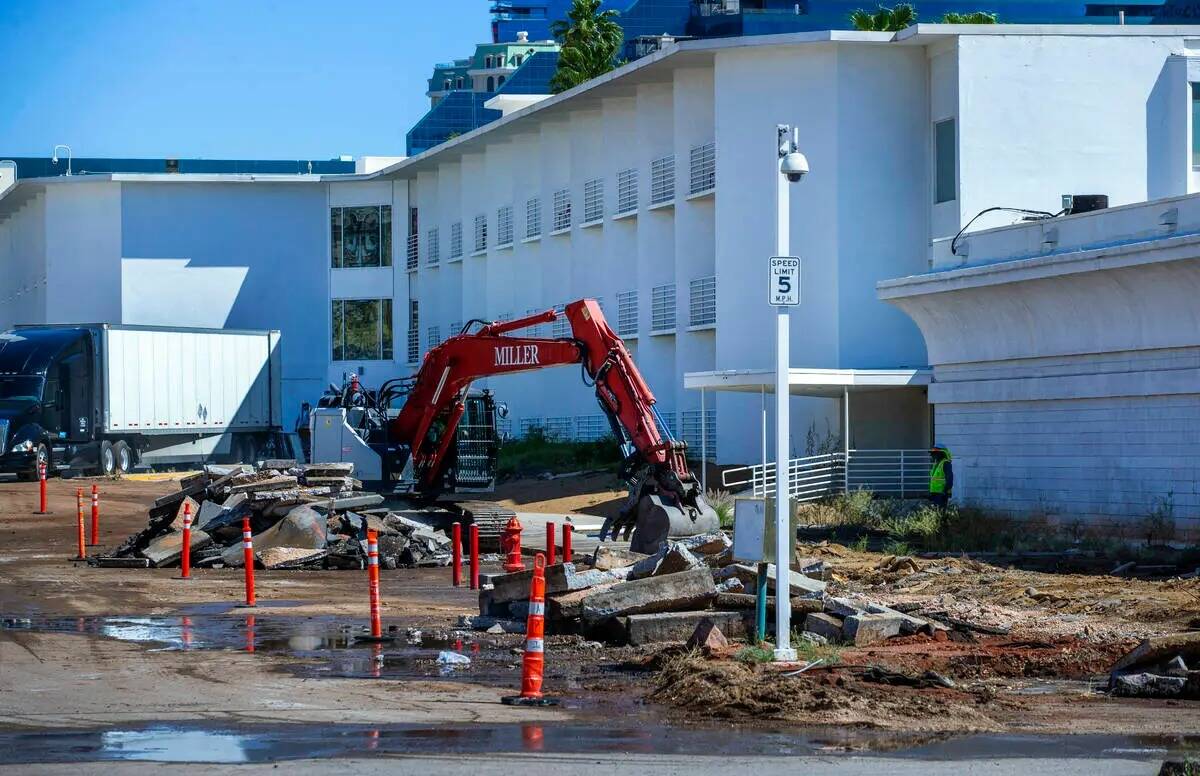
{"points": [[74, 664]]}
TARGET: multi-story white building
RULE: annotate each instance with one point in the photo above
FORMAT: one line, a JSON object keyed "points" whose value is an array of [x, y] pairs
{"points": [[650, 190]]}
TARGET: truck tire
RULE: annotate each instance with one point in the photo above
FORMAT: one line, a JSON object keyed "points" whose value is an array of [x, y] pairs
{"points": [[108, 459], [125, 457], [43, 454]]}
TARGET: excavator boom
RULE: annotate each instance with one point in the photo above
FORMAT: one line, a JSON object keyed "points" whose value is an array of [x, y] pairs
{"points": [[665, 498]]}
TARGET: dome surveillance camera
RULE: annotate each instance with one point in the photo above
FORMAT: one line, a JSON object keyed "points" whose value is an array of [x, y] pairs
{"points": [[794, 166]]}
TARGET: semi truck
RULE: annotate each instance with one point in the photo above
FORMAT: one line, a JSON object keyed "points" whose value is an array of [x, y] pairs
{"points": [[109, 398]]}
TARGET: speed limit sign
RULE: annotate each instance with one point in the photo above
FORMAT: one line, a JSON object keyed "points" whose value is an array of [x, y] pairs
{"points": [[783, 286]]}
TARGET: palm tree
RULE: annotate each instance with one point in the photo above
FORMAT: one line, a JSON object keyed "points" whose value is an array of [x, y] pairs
{"points": [[589, 40], [884, 19], [974, 17]]}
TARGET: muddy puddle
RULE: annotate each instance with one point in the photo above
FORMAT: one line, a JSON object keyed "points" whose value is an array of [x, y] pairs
{"points": [[323, 646], [196, 743]]}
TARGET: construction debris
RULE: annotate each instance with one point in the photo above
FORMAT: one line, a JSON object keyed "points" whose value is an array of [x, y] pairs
{"points": [[301, 517], [1160, 667]]}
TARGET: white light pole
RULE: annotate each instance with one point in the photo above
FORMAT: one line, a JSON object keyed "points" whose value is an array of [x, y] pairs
{"points": [[784, 292]]}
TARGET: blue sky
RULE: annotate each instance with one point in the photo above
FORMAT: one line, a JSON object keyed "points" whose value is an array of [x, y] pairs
{"points": [[302, 79]]}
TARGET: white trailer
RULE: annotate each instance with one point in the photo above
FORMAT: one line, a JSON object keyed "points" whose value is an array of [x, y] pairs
{"points": [[108, 397]]}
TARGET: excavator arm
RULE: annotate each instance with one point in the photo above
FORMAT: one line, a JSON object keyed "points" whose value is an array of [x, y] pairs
{"points": [[665, 498]]}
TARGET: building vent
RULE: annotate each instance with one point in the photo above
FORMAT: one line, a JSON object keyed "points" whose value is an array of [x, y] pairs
{"points": [[434, 338], [172, 165], [627, 191], [456, 248], [433, 246], [480, 233], [703, 168], [702, 310], [662, 180], [533, 217], [662, 309], [627, 313], [414, 332], [561, 326], [700, 438], [593, 200], [562, 210], [504, 226]]}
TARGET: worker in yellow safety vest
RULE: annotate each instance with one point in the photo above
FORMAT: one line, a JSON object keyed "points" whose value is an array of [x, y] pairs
{"points": [[941, 475]]}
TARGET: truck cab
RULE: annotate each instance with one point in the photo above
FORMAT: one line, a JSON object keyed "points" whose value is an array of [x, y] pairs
{"points": [[48, 399]]}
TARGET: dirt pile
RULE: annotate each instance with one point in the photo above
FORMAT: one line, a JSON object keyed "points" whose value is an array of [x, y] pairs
{"points": [[730, 689]]}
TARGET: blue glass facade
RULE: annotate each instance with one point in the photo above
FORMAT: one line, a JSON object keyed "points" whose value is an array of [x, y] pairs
{"points": [[460, 112], [44, 167], [456, 114], [721, 18]]}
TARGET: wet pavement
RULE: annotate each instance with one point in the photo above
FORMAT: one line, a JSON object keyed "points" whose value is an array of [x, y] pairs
{"points": [[201, 743]]}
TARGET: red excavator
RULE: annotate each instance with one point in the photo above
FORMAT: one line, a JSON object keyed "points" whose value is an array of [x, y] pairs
{"points": [[426, 449]]}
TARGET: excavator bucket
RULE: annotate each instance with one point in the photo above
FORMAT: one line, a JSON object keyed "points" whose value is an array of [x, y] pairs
{"points": [[659, 519]]}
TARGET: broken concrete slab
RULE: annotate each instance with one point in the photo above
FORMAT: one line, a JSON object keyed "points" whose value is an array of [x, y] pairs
{"points": [[485, 623], [608, 558], [355, 502], [824, 625], [271, 483], [670, 592], [706, 544], [168, 548], [302, 527], [560, 578], [671, 558], [733, 601], [1159, 649], [569, 606], [679, 626], [1148, 686], [288, 557], [332, 469], [863, 630], [800, 584]]}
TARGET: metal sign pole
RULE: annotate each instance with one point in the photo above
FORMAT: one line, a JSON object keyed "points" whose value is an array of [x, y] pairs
{"points": [[783, 292]]}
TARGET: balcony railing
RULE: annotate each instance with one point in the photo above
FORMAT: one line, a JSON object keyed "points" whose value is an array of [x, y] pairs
{"points": [[413, 250]]}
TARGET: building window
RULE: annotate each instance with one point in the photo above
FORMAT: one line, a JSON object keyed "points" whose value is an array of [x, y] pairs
{"points": [[500, 81], [561, 326], [487, 61], [504, 226], [627, 313], [456, 328], [593, 200], [414, 230], [703, 168], [662, 180], [1196, 125], [362, 329], [533, 217], [433, 338], [538, 330], [446, 85], [690, 430], [458, 83], [627, 191], [480, 233], [433, 246], [944, 161], [361, 236], [702, 308], [456, 240], [562, 209], [662, 308], [520, 59], [414, 335], [491, 84]]}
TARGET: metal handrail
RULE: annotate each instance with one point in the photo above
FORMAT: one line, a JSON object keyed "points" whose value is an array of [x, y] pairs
{"points": [[902, 473]]}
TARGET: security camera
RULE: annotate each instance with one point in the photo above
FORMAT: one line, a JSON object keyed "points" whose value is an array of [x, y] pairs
{"points": [[794, 166]]}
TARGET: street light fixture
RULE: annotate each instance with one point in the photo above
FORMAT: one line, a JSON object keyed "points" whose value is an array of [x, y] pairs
{"points": [[54, 156], [784, 293]]}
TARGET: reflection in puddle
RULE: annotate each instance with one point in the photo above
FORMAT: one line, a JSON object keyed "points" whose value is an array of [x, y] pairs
{"points": [[196, 742]]}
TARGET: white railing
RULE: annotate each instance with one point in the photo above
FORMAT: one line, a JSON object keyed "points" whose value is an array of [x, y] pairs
{"points": [[895, 473], [412, 251]]}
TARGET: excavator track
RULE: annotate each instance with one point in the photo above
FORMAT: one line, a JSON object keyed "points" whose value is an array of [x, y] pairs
{"points": [[488, 515]]}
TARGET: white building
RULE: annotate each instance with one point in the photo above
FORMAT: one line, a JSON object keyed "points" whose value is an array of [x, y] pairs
{"points": [[649, 189], [1066, 361]]}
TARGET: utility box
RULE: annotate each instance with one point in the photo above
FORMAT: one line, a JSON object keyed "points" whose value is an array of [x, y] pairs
{"points": [[754, 530]]}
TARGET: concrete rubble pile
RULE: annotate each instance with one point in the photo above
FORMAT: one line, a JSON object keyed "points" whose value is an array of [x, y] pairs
{"points": [[301, 516], [1159, 667], [624, 597]]}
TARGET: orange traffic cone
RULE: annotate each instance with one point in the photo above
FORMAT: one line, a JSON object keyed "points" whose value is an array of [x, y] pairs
{"points": [[533, 664]]}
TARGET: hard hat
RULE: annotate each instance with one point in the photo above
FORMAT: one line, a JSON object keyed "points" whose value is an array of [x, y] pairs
{"points": [[939, 446]]}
